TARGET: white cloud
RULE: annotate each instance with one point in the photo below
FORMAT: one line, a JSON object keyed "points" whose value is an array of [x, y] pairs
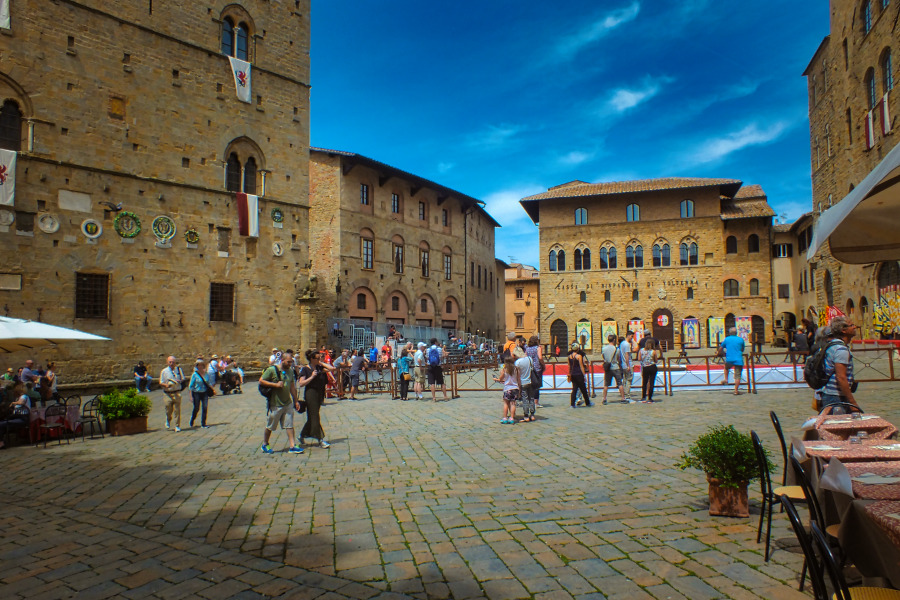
{"points": [[494, 136], [575, 158], [576, 42], [716, 149], [624, 99], [504, 205]]}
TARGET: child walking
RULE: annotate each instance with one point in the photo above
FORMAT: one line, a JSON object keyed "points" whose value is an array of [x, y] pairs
{"points": [[512, 388]]}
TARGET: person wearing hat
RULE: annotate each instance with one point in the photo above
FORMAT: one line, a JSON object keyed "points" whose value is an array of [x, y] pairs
{"points": [[212, 370], [577, 371], [421, 367], [9, 375], [275, 358]]}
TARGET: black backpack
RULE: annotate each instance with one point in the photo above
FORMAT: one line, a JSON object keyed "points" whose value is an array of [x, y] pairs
{"points": [[814, 369], [265, 390]]}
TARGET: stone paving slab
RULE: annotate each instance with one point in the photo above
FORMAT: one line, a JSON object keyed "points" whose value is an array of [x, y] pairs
{"points": [[413, 500]]}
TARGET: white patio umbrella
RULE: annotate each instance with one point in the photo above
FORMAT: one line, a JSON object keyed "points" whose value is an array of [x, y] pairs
{"points": [[19, 334], [864, 227]]}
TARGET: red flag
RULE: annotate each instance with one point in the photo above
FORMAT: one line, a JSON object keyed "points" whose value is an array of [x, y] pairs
{"points": [[248, 214]]}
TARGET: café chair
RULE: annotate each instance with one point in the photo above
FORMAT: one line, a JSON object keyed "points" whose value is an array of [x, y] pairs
{"points": [[850, 408], [22, 412], [815, 509], [90, 415], [770, 495], [841, 590], [54, 420], [809, 558]]}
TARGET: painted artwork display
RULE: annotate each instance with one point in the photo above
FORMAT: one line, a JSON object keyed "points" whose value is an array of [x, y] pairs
{"points": [[690, 333], [716, 328], [886, 311], [637, 326], [608, 328], [583, 330], [744, 326]]}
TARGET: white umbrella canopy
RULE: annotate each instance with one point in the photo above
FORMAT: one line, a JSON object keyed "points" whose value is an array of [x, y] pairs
{"points": [[19, 334], [864, 227]]}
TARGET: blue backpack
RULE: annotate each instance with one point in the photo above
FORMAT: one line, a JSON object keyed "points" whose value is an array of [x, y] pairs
{"points": [[434, 355]]}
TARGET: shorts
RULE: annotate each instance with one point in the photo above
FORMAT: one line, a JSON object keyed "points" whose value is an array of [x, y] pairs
{"points": [[435, 375], [354, 379], [611, 375], [510, 395], [420, 375], [737, 368], [283, 415]]}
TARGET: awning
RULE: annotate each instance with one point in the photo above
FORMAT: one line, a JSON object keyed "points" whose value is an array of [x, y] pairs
{"points": [[19, 334], [864, 227]]}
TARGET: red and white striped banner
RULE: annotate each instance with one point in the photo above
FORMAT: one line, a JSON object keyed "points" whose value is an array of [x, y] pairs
{"points": [[870, 130], [7, 177], [885, 115], [248, 215]]}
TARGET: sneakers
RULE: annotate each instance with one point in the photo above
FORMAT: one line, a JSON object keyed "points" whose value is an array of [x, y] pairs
{"points": [[294, 450], [589, 404], [579, 403], [167, 423], [604, 401], [324, 444], [204, 427], [177, 429], [267, 449]]}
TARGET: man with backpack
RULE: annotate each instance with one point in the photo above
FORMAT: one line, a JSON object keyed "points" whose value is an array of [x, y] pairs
{"points": [[435, 355], [612, 371], [836, 366]]}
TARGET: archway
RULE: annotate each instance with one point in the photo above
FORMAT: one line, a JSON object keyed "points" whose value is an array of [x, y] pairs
{"points": [[362, 304], [664, 328], [396, 309], [559, 336], [450, 316], [758, 329], [425, 311]]}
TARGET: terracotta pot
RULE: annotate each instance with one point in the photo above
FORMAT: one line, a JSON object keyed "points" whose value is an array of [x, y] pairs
{"points": [[728, 501], [127, 426]]}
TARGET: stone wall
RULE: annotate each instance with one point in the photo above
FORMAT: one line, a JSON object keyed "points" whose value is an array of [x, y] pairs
{"points": [[139, 109]]}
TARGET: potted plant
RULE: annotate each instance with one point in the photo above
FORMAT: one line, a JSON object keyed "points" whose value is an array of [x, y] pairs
{"points": [[125, 411], [729, 460]]}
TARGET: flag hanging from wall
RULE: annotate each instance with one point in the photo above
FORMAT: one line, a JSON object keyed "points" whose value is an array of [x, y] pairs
{"points": [[241, 71], [248, 215], [7, 177], [4, 14], [870, 129], [885, 115]]}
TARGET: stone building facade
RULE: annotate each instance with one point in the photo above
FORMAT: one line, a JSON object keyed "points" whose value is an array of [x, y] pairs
{"points": [[850, 81], [656, 254], [389, 246], [794, 294], [523, 299], [127, 127]]}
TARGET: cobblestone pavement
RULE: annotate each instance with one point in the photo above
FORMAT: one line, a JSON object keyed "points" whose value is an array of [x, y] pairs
{"points": [[413, 499]]}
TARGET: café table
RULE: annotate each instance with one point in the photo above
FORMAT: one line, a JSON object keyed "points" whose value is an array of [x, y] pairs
{"points": [[38, 412], [868, 451], [842, 427]]}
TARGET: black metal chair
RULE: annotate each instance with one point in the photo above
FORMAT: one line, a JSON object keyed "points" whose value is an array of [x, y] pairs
{"points": [[22, 415], [836, 575], [54, 420], [850, 408], [90, 415], [777, 424], [770, 495], [809, 558]]}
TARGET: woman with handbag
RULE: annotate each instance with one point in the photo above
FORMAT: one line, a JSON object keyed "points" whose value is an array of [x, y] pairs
{"points": [[200, 393], [314, 378], [536, 354], [403, 372]]}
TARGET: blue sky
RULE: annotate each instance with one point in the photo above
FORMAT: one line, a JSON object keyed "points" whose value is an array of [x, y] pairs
{"points": [[501, 99]]}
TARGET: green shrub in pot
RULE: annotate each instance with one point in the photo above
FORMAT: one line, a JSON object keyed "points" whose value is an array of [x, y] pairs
{"points": [[725, 454], [124, 404]]}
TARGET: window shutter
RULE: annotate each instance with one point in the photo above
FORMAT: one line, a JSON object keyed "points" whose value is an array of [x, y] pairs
{"points": [[790, 250]]}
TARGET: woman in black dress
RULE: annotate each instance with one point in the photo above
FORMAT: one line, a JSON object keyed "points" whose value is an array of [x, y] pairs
{"points": [[577, 372], [314, 378]]}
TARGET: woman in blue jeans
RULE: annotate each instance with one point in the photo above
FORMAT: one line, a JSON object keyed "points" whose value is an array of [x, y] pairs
{"points": [[200, 392]]}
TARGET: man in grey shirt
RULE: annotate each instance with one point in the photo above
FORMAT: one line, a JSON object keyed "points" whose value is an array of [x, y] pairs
{"points": [[612, 371], [627, 369], [357, 363]]}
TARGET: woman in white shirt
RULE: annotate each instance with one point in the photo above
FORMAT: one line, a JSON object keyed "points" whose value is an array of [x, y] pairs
{"points": [[648, 356]]}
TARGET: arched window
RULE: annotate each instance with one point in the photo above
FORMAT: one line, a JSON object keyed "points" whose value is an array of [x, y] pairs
{"points": [[635, 296], [607, 296], [228, 37], [561, 260], [871, 94], [753, 243], [687, 209], [581, 216], [633, 212], [233, 173], [694, 254], [613, 261], [250, 176], [10, 126], [235, 39], [629, 257], [551, 261], [731, 245], [604, 258], [829, 289], [887, 73], [683, 254], [657, 255], [582, 297], [851, 308], [586, 259], [243, 37], [888, 274], [689, 295], [732, 288], [754, 287], [666, 255], [638, 257], [576, 259], [866, 14]]}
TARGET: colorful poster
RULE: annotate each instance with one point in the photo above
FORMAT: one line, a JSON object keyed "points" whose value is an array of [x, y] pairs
{"points": [[744, 326], [637, 327], [608, 328], [583, 334], [716, 329], [886, 311], [690, 335]]}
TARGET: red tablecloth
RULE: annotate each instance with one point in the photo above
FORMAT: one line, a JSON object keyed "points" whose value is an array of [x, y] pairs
{"points": [[841, 427], [879, 491], [886, 514], [72, 414], [847, 452]]}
